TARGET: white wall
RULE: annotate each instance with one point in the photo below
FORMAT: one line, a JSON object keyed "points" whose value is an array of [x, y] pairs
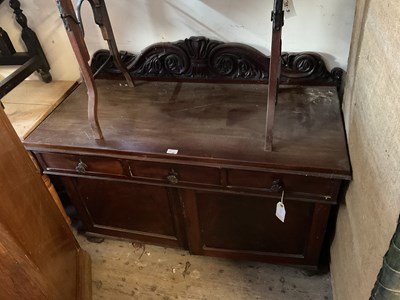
{"points": [[44, 19], [319, 25]]}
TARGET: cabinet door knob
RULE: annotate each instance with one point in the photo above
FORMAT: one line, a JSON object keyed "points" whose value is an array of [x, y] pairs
{"points": [[276, 186], [81, 167], [172, 177]]}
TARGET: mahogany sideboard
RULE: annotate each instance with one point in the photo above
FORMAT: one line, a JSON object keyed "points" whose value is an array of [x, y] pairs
{"points": [[183, 164]]}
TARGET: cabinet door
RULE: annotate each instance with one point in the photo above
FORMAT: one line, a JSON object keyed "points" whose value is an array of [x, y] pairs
{"points": [[246, 227], [130, 210]]}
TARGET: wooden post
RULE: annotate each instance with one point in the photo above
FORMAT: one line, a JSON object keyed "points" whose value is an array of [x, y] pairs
{"points": [[103, 21], [75, 36], [274, 71]]}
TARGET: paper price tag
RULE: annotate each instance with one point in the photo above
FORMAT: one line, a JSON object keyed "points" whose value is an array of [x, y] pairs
{"points": [[172, 151], [288, 7], [280, 211]]}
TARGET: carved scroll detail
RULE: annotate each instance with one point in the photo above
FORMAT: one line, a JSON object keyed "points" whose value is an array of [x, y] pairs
{"points": [[203, 59], [307, 66]]}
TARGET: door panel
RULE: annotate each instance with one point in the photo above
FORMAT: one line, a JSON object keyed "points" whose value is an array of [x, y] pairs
{"points": [[249, 223], [134, 210]]}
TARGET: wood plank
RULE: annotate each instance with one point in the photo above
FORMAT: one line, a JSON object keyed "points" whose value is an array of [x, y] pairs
{"points": [[84, 288], [16, 267], [25, 117], [38, 92], [32, 101], [38, 249]]}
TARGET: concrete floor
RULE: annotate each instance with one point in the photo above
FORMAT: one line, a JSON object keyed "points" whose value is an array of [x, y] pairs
{"points": [[124, 270]]}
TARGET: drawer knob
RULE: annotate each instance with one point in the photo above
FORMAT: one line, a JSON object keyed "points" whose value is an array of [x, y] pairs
{"points": [[276, 186], [81, 167], [173, 177]]}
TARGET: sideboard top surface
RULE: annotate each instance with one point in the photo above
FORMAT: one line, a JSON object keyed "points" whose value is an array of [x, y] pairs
{"points": [[206, 123]]}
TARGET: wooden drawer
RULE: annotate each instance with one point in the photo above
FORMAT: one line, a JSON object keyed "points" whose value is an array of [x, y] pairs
{"points": [[294, 185], [83, 165], [175, 173]]}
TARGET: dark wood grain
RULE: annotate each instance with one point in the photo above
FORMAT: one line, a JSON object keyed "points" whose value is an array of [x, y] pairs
{"points": [[207, 123], [200, 59], [317, 232], [248, 225], [138, 211], [215, 195]]}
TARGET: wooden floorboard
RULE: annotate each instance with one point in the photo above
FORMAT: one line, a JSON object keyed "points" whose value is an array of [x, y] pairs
{"points": [[122, 270]]}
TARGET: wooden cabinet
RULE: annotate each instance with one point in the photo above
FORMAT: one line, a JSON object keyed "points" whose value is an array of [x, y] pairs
{"points": [[208, 210], [190, 162], [217, 196]]}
